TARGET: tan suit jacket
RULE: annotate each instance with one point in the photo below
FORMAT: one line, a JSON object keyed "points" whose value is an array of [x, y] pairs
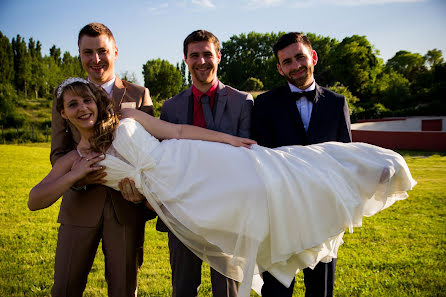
{"points": [[84, 208]]}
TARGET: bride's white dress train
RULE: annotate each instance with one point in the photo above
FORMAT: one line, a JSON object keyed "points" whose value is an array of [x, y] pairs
{"points": [[245, 211]]}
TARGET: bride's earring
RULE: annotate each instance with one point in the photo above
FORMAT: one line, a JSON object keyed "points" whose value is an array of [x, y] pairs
{"points": [[66, 126]]}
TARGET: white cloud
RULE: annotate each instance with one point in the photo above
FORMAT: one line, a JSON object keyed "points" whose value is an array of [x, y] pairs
{"points": [[205, 3], [181, 4], [264, 3], [368, 2], [158, 9]]}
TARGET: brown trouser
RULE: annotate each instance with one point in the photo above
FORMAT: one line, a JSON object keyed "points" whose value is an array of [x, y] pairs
{"points": [[122, 246]]}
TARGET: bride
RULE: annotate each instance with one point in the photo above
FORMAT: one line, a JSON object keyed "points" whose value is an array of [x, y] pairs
{"points": [[242, 208]]}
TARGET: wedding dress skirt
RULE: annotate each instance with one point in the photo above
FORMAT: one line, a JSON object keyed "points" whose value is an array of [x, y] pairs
{"points": [[245, 211]]}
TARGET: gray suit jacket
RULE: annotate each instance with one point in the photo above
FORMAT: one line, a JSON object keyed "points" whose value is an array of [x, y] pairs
{"points": [[232, 114], [232, 110]]}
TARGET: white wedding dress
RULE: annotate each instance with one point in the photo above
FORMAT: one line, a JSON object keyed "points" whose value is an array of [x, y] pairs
{"points": [[245, 211]]}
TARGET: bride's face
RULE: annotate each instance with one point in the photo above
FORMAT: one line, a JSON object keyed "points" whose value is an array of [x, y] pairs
{"points": [[81, 112]]}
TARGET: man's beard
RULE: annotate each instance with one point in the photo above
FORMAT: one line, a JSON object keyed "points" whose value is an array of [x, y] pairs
{"points": [[205, 78], [300, 82]]}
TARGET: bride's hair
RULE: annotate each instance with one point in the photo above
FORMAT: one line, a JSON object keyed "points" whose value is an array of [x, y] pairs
{"points": [[107, 120]]}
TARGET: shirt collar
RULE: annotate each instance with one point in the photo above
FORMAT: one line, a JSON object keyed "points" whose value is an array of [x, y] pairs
{"points": [[108, 86], [210, 93], [293, 88]]}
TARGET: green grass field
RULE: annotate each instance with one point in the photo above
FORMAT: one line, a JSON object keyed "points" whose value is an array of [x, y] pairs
{"points": [[399, 252]]}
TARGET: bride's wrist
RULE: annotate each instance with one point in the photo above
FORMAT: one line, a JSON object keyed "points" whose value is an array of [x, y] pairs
{"points": [[227, 138]]}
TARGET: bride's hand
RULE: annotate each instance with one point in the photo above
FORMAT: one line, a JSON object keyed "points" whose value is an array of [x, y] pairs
{"points": [[86, 165], [239, 141]]}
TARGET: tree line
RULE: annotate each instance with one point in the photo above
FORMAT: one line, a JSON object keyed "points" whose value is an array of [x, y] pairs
{"points": [[407, 84], [26, 73]]}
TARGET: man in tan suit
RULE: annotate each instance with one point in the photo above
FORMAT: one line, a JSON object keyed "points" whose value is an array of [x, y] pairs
{"points": [[89, 211]]}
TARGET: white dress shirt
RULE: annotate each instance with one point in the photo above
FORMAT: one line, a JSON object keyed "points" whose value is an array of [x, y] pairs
{"points": [[108, 86], [304, 106]]}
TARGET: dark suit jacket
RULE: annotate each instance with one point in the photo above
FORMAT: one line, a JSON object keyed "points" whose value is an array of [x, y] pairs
{"points": [[232, 113], [84, 208], [276, 120]]}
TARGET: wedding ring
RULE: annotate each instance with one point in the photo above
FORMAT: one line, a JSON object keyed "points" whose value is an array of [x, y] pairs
{"points": [[87, 159]]}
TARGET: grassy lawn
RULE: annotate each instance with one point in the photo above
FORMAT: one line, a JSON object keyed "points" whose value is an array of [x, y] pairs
{"points": [[399, 252]]}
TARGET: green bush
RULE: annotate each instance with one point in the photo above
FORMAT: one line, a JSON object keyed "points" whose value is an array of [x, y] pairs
{"points": [[252, 84], [8, 99]]}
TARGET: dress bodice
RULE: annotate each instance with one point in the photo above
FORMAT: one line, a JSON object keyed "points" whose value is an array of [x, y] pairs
{"points": [[130, 154]]}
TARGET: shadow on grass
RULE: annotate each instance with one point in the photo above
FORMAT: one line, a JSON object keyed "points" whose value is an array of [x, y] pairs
{"points": [[412, 153]]}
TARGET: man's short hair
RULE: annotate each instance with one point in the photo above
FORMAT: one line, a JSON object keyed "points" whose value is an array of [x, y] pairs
{"points": [[95, 30], [290, 38], [201, 35]]}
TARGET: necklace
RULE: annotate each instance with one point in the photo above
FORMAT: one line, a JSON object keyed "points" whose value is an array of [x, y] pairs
{"points": [[80, 154]]}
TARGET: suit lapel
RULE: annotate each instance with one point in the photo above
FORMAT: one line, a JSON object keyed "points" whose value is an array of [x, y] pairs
{"points": [[119, 91], [185, 105], [221, 99], [315, 112]]}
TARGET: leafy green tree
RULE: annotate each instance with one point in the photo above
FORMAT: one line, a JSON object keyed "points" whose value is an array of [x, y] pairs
{"points": [[187, 81], [354, 63], [55, 54], [248, 54], [323, 47], [437, 91], [72, 66], [6, 60], [36, 79], [407, 63], [162, 78], [433, 58], [52, 75], [393, 90], [431, 87]]}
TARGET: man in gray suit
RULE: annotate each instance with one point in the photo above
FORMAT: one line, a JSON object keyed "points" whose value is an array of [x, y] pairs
{"points": [[209, 104], [212, 105]]}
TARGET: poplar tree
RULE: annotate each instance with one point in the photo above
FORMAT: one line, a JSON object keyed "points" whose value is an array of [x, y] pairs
{"points": [[6, 60], [22, 65]]}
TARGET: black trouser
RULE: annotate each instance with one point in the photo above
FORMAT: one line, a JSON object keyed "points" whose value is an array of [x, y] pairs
{"points": [[319, 282]]}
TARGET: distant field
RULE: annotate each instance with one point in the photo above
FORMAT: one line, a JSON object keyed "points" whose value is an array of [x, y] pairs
{"points": [[399, 252]]}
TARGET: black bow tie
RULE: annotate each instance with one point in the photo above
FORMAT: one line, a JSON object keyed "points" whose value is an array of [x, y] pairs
{"points": [[310, 95]]}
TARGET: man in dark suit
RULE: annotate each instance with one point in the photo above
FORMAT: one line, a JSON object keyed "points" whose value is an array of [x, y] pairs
{"points": [[209, 104], [300, 113], [89, 211]]}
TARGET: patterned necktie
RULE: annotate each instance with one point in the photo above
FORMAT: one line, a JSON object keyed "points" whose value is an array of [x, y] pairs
{"points": [[208, 117], [310, 95]]}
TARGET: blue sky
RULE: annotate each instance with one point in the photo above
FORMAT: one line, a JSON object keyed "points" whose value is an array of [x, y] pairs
{"points": [[154, 29]]}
